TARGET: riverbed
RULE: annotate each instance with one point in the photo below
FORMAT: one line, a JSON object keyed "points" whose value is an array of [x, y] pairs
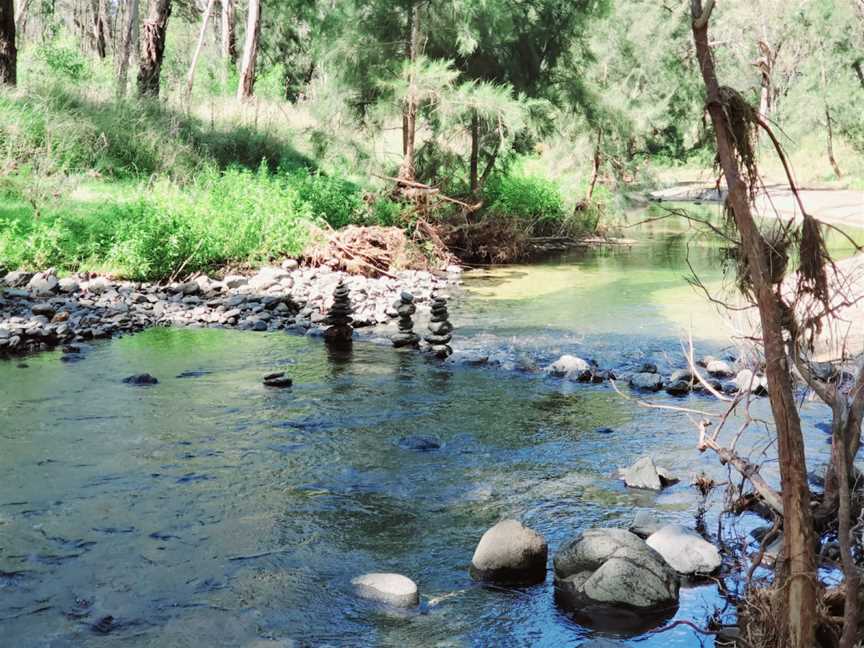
{"points": [[210, 510]]}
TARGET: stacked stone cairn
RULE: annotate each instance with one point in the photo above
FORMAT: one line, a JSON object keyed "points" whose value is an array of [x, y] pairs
{"points": [[405, 308], [339, 331], [439, 328]]}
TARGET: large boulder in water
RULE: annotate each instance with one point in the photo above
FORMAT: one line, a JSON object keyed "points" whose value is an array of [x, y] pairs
{"points": [[645, 381], [393, 589], [747, 381], [646, 474], [571, 367], [510, 553], [685, 550], [612, 568]]}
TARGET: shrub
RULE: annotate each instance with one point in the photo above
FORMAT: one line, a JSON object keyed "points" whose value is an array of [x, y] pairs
{"points": [[336, 201], [524, 197], [63, 60]]}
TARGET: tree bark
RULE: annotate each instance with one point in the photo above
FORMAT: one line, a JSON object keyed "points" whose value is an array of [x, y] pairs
{"points": [[100, 28], [129, 37], [595, 166], [250, 51], [229, 33], [150, 68], [475, 154], [19, 16], [830, 143], [409, 109], [8, 53], [798, 585], [190, 79]]}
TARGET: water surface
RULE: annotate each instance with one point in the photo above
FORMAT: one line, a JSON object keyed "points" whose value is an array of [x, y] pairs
{"points": [[209, 510]]}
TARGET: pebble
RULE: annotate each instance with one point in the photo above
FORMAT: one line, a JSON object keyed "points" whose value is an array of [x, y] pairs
{"points": [[38, 311]]}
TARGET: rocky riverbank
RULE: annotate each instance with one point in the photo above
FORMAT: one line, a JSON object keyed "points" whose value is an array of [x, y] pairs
{"points": [[39, 311]]}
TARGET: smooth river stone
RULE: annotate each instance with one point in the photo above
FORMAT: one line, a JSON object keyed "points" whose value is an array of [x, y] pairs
{"points": [[393, 589], [510, 553]]}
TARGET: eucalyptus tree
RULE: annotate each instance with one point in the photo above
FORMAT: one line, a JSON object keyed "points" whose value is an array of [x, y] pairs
{"points": [[8, 51], [250, 50], [155, 29]]}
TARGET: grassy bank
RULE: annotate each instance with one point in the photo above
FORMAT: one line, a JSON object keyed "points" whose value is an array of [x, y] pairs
{"points": [[143, 191]]}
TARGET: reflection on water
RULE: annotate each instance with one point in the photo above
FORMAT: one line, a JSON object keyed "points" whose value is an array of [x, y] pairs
{"points": [[209, 510]]}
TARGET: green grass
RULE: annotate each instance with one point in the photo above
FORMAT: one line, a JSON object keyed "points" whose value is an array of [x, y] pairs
{"points": [[143, 191]]}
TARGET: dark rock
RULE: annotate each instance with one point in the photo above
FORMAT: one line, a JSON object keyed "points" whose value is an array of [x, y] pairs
{"points": [[648, 367], [141, 379], [419, 443], [678, 388], [278, 379]]}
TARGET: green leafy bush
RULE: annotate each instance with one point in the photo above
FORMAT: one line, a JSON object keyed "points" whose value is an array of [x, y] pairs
{"points": [[63, 60], [336, 201], [524, 197]]}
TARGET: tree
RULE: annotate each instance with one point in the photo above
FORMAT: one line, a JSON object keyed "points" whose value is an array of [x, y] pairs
{"points": [[129, 37], [250, 50], [229, 34], [100, 28], [190, 79], [797, 581], [8, 53], [150, 68]]}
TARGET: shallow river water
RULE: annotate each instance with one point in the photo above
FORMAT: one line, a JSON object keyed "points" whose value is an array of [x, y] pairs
{"points": [[210, 511]]}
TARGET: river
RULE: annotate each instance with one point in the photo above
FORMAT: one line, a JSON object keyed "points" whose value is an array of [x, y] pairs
{"points": [[208, 510]]}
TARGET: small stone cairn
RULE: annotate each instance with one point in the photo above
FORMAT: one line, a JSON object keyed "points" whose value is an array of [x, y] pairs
{"points": [[339, 331], [439, 328], [405, 308]]}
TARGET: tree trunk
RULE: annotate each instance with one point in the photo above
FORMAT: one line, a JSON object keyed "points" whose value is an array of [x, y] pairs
{"points": [[8, 53], [475, 154], [19, 16], [129, 37], [798, 585], [595, 166], [250, 51], [100, 28], [409, 109], [154, 48], [859, 71], [229, 34], [190, 79], [831, 158]]}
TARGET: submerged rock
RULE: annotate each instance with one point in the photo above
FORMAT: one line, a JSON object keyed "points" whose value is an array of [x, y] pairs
{"points": [[419, 443], [141, 379], [685, 550], [645, 474], [510, 553], [613, 567], [393, 589]]}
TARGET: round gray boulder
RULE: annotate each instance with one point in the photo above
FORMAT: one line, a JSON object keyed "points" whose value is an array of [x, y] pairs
{"points": [[394, 589], [645, 381], [510, 553], [602, 568], [570, 367], [685, 550]]}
